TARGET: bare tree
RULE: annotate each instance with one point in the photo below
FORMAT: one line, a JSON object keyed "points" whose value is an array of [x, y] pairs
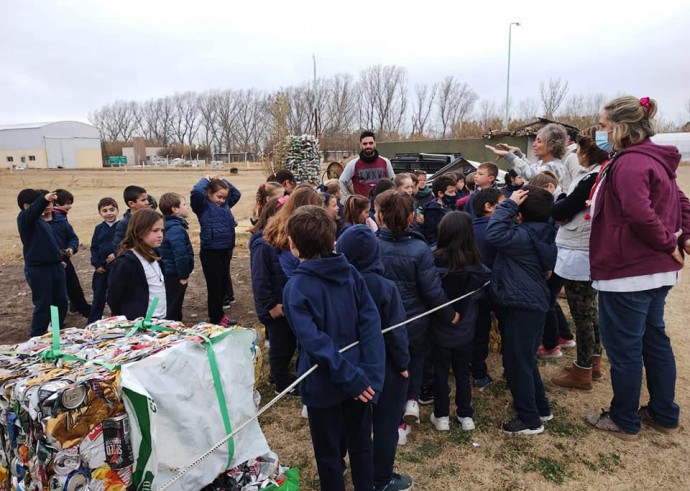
{"points": [[454, 103], [116, 121], [209, 107], [250, 121], [186, 117], [383, 102], [527, 109], [422, 108], [552, 95], [489, 115]]}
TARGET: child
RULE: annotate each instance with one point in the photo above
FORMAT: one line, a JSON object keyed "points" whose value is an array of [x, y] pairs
{"points": [[548, 180], [403, 183], [408, 262], [484, 178], [102, 255], [330, 204], [444, 191], [328, 307], [332, 186], [356, 212], [176, 252], [135, 198], [42, 259], [458, 262], [135, 277], [415, 183], [266, 192], [513, 182], [360, 247], [268, 281], [469, 185], [285, 178], [382, 185], [212, 198], [69, 246], [423, 195], [461, 186], [526, 258], [485, 203]]}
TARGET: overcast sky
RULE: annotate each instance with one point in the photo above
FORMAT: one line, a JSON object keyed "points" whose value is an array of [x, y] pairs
{"points": [[63, 59]]}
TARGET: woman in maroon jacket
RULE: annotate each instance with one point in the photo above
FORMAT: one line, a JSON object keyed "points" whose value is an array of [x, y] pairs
{"points": [[640, 223]]}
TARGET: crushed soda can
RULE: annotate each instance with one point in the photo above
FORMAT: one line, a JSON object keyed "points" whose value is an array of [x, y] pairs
{"points": [[66, 461], [116, 440]]}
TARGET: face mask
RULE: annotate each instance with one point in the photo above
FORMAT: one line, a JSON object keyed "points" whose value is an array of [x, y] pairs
{"points": [[449, 200], [601, 138]]}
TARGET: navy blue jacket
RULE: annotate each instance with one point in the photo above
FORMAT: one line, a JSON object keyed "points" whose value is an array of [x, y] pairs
{"points": [[456, 284], [408, 262], [121, 230], [128, 290], [361, 248], [64, 233], [487, 251], [217, 222], [433, 213], [177, 255], [102, 244], [287, 261], [328, 307], [268, 278], [39, 245], [526, 253]]}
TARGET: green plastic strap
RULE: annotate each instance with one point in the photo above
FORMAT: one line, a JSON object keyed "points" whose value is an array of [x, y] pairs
{"points": [[218, 384], [145, 323]]}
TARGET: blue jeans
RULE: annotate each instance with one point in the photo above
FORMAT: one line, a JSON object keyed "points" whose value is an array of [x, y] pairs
{"points": [[633, 333]]}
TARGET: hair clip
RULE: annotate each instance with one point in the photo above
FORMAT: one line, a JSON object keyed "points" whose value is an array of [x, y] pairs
{"points": [[645, 103]]}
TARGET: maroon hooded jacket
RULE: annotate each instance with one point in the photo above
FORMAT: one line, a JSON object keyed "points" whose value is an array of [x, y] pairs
{"points": [[638, 208]]}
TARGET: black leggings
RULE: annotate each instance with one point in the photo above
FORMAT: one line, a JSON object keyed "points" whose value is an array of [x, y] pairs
{"points": [[216, 267]]}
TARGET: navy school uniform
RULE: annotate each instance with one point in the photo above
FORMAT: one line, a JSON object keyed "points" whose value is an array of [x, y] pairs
{"points": [[42, 266], [66, 238], [101, 248], [121, 230], [177, 263], [328, 307], [360, 246], [433, 213], [128, 289]]}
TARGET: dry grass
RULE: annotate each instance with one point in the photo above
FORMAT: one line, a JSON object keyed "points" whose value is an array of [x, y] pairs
{"points": [[567, 456]]}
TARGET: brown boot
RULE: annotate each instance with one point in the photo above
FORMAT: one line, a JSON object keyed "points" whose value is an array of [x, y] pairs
{"points": [[575, 378], [596, 368]]}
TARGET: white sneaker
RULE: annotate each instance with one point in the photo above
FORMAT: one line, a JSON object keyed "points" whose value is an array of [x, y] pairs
{"points": [[304, 412], [403, 430], [441, 423], [467, 424], [546, 419], [411, 415]]}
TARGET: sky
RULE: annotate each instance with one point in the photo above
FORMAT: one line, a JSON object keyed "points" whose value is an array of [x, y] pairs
{"points": [[62, 59]]}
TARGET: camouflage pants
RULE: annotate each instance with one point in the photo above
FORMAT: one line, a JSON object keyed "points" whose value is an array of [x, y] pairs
{"points": [[582, 300]]}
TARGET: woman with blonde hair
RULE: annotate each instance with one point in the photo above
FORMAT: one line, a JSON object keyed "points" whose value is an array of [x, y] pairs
{"points": [[640, 223]]}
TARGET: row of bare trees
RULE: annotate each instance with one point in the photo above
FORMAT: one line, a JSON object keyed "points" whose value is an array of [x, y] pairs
{"points": [[335, 108]]}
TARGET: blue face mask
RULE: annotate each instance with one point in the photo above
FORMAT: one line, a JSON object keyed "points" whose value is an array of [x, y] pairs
{"points": [[601, 138]]}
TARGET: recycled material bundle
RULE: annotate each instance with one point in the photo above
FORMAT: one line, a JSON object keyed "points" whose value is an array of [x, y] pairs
{"points": [[124, 405], [303, 159]]}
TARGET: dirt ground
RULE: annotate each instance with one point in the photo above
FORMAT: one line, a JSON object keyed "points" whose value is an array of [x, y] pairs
{"points": [[567, 456]]}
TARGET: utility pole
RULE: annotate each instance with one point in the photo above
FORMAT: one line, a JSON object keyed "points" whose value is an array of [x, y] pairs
{"points": [[505, 121]]}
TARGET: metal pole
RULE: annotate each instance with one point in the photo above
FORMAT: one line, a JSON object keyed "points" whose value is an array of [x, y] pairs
{"points": [[316, 102], [505, 121]]}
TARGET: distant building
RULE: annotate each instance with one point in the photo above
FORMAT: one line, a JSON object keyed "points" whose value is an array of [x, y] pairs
{"points": [[62, 144]]}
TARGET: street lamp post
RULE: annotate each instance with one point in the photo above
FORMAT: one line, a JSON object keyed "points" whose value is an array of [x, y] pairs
{"points": [[510, 31]]}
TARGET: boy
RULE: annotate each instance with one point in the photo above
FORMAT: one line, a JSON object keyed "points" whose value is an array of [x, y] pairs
{"points": [[444, 191], [484, 178], [135, 198], [68, 242], [485, 203], [176, 252], [102, 255], [525, 260], [42, 259], [328, 306]]}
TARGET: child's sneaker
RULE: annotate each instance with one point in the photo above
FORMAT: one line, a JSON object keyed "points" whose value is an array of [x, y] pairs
{"points": [[517, 427], [566, 343], [467, 424], [398, 482], [427, 396], [549, 354], [547, 418], [403, 430], [442, 423], [411, 412], [482, 383]]}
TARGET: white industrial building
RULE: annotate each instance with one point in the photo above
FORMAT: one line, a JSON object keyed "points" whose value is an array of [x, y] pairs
{"points": [[58, 145]]}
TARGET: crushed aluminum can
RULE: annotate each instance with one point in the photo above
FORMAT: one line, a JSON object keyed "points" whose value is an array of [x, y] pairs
{"points": [[92, 449], [73, 396], [66, 461], [118, 447], [17, 469], [48, 394], [76, 481]]}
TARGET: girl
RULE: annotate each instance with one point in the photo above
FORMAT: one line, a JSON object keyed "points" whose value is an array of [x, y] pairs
{"points": [[268, 281], [356, 211], [408, 262], [265, 192], [458, 261], [211, 200], [135, 276], [403, 183], [330, 203], [460, 186]]}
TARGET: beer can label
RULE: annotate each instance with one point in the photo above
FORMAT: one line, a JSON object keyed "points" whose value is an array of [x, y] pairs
{"points": [[116, 440]]}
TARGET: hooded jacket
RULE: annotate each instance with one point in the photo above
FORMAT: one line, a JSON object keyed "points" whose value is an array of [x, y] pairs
{"points": [[433, 213], [268, 278], [457, 283], [487, 251], [217, 222], [328, 307], [361, 248], [638, 208], [38, 240], [408, 262], [574, 233], [177, 255], [64, 233], [526, 253]]}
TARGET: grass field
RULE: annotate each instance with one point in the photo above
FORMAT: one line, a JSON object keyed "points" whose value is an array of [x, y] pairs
{"points": [[567, 456]]}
